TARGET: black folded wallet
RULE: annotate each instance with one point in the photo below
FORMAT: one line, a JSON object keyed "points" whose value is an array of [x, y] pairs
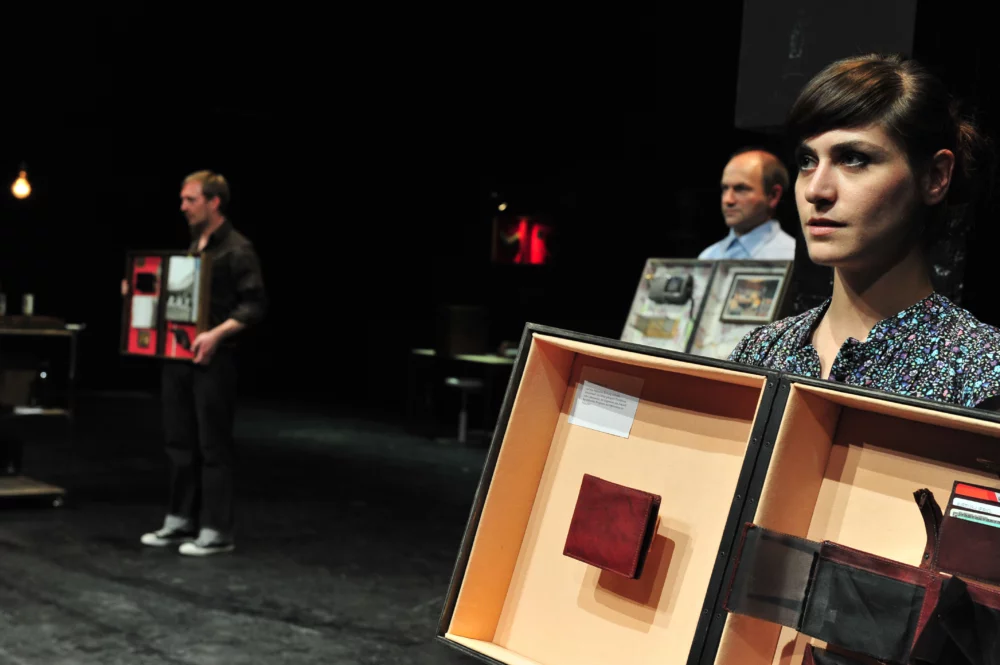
{"points": [[863, 603], [843, 596]]}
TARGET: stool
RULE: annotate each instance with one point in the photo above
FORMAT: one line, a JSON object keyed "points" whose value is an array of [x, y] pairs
{"points": [[466, 386]]}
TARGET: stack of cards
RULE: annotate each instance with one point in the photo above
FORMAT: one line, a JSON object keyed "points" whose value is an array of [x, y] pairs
{"points": [[970, 533], [976, 504]]}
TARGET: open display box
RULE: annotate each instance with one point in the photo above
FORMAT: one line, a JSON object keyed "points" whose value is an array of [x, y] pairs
{"points": [[167, 303], [842, 464], [515, 598]]}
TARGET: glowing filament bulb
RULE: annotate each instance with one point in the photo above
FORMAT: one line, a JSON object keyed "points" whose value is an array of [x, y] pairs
{"points": [[21, 188]]}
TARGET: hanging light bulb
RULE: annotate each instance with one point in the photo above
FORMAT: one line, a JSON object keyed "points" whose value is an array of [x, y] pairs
{"points": [[21, 187]]}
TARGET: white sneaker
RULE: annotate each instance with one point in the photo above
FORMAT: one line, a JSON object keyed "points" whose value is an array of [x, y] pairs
{"points": [[195, 548], [209, 542], [166, 537], [175, 530]]}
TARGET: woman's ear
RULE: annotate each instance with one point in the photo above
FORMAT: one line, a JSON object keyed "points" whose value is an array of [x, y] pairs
{"points": [[937, 180]]}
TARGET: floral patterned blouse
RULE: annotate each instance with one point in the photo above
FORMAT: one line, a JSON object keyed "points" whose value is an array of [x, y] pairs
{"points": [[933, 350]]}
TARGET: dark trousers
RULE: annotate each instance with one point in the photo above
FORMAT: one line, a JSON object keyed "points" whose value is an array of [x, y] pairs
{"points": [[199, 404]]}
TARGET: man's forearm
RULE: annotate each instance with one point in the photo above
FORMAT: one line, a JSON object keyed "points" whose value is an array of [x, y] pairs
{"points": [[228, 328]]}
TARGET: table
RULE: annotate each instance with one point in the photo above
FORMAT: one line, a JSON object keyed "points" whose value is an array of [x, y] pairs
{"points": [[68, 330], [22, 486], [481, 358], [492, 364]]}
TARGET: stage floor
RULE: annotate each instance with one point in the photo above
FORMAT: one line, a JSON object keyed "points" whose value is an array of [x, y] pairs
{"points": [[349, 529]]}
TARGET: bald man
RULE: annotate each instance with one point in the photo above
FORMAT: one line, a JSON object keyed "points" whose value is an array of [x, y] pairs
{"points": [[752, 184]]}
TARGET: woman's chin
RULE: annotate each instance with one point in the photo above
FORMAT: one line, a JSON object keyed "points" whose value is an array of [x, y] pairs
{"points": [[825, 256]]}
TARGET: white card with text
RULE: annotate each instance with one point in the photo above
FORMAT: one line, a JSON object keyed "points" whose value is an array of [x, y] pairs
{"points": [[606, 401]]}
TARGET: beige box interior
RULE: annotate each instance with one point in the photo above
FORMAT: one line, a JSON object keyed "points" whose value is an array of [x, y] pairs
{"points": [[844, 469], [521, 601]]}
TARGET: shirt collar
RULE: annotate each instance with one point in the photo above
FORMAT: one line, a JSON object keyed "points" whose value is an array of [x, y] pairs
{"points": [[923, 314], [220, 233], [217, 236], [752, 240], [906, 322], [809, 322]]}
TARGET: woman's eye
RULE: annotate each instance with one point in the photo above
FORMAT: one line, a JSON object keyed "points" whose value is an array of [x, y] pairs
{"points": [[856, 159], [806, 162]]}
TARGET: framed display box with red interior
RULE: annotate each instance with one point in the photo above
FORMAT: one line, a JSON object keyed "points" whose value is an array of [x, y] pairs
{"points": [[609, 504], [167, 303]]}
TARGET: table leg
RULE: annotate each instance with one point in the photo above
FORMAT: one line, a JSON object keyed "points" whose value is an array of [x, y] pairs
{"points": [[490, 420], [71, 388]]}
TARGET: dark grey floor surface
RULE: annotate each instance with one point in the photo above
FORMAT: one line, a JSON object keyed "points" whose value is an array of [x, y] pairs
{"points": [[349, 529]]}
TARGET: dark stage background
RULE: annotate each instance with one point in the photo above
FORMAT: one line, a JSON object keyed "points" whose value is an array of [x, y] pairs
{"points": [[362, 146]]}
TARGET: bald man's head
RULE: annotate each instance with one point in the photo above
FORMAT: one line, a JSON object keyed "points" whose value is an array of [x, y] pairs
{"points": [[752, 185]]}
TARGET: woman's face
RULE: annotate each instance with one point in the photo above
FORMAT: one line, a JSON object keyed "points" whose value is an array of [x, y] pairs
{"points": [[857, 196]]}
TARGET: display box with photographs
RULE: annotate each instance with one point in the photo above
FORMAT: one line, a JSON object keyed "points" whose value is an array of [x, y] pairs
{"points": [[743, 295], [668, 303], [849, 468], [608, 505], [167, 303], [705, 307]]}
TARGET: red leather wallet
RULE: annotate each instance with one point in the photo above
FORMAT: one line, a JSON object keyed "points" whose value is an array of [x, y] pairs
{"points": [[612, 527]]}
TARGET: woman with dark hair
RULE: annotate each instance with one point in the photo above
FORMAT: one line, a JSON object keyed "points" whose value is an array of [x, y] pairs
{"points": [[882, 150]]}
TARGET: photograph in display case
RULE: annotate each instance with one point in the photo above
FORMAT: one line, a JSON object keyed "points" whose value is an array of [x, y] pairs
{"points": [[752, 298], [182, 291], [744, 295]]}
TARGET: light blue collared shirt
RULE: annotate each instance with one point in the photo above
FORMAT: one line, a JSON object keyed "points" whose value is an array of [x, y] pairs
{"points": [[766, 242]]}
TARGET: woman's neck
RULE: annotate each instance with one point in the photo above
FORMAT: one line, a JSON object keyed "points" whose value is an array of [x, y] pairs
{"points": [[862, 299]]}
